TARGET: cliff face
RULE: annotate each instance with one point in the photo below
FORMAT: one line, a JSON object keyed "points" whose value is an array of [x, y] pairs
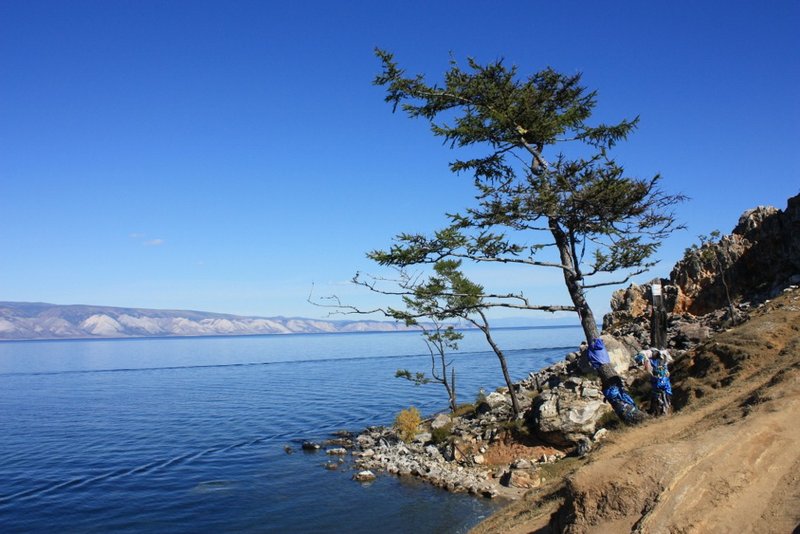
{"points": [[756, 261], [761, 255]]}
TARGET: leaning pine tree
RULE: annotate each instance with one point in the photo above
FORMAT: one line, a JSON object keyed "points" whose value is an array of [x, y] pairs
{"points": [[602, 225]]}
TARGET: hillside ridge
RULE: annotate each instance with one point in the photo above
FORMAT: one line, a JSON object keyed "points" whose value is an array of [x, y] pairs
{"points": [[40, 321]]}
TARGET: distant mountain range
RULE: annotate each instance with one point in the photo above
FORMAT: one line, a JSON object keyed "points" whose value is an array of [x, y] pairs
{"points": [[35, 320]]}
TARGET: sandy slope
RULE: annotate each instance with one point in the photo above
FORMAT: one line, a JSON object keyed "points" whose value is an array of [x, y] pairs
{"points": [[728, 461]]}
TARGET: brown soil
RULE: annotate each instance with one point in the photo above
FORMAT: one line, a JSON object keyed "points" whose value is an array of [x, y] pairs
{"points": [[727, 461], [506, 450]]}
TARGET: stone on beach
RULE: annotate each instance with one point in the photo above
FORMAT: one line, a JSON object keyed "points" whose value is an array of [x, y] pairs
{"points": [[364, 476]]}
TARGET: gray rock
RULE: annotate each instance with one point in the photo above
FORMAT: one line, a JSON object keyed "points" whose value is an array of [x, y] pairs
{"points": [[433, 452], [573, 382], [591, 392], [423, 437], [365, 442], [441, 421], [364, 476], [565, 418], [496, 400]]}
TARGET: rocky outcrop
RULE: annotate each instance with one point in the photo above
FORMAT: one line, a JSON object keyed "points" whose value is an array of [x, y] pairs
{"points": [[759, 259], [632, 305]]}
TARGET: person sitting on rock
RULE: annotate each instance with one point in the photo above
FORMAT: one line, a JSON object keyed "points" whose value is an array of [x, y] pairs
{"points": [[614, 389], [656, 364]]}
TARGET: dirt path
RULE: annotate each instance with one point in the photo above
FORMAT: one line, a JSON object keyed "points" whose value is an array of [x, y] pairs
{"points": [[728, 462]]}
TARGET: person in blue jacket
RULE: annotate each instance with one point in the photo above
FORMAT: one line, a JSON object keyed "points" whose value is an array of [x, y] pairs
{"points": [[656, 363], [614, 389]]}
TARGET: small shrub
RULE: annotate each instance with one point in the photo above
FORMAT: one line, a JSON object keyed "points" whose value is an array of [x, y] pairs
{"points": [[608, 420], [441, 434], [407, 422]]}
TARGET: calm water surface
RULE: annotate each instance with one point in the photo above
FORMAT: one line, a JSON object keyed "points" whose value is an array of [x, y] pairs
{"points": [[188, 435]]}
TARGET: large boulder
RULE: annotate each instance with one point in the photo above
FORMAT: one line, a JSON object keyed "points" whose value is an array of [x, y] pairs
{"points": [[495, 399], [522, 479], [620, 352], [567, 414]]}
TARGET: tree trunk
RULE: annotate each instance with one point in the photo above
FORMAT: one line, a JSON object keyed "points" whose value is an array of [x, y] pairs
{"points": [[485, 329], [452, 392], [451, 385], [572, 279]]}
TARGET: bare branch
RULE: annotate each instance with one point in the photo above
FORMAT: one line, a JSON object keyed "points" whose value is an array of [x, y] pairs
{"points": [[523, 261], [617, 282]]}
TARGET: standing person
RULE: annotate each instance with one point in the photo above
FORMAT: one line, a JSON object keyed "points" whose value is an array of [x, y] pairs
{"points": [[614, 389], [656, 364]]}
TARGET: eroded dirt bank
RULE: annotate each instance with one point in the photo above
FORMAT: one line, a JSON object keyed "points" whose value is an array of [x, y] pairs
{"points": [[727, 461]]}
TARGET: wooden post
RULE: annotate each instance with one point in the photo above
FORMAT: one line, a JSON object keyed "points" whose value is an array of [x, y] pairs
{"points": [[658, 320]]}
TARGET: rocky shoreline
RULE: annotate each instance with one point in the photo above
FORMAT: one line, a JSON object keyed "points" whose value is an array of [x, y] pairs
{"points": [[483, 450]]}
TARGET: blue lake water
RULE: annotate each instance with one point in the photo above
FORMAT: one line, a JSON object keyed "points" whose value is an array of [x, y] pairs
{"points": [[188, 435]]}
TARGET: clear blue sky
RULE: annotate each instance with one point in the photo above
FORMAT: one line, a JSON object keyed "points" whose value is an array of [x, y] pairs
{"points": [[223, 156]]}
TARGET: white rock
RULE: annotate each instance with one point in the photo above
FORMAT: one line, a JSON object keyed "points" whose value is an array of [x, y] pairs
{"points": [[495, 399], [364, 476]]}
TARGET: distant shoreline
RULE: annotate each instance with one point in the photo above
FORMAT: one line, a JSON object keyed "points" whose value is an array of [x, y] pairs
{"points": [[273, 334]]}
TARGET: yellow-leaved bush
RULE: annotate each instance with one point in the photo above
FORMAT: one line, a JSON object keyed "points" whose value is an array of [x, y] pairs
{"points": [[407, 422]]}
